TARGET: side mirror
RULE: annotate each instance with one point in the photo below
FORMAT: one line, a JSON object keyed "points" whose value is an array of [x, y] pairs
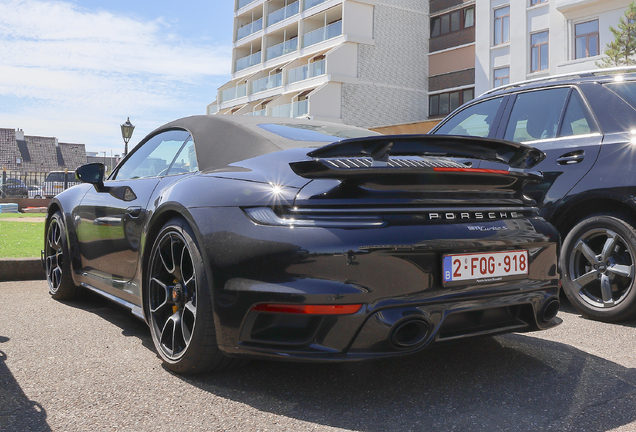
{"points": [[92, 173]]}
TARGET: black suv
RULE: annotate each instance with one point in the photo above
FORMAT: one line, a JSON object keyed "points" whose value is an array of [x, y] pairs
{"points": [[586, 125]]}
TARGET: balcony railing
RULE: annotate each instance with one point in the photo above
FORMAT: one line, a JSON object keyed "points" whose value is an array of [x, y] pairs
{"points": [[247, 30], [267, 83], [242, 3], [282, 48], [294, 109], [282, 13], [233, 93], [248, 61], [262, 112], [312, 3], [306, 71], [322, 34]]}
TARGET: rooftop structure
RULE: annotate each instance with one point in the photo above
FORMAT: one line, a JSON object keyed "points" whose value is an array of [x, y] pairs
{"points": [[20, 152]]}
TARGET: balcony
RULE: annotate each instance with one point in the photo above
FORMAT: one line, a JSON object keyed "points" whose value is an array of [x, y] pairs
{"points": [[282, 13], [267, 83], [242, 3], [234, 93], [282, 48], [322, 34], [262, 112], [312, 3], [250, 28], [306, 71], [294, 109], [248, 61]]}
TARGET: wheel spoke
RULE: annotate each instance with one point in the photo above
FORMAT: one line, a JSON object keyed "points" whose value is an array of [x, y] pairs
{"points": [[166, 292], [622, 270], [609, 245], [190, 307], [582, 247], [606, 291], [585, 279]]}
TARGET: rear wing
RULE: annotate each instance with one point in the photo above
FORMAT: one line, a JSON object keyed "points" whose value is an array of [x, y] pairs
{"points": [[377, 154]]}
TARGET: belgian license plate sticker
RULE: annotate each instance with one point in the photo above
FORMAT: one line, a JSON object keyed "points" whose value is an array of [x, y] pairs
{"points": [[484, 267]]}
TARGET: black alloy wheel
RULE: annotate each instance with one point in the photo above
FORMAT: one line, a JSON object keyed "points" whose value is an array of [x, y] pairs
{"points": [[178, 303], [598, 262], [57, 260]]}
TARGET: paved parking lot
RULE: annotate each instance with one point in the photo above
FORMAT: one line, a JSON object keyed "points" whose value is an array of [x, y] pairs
{"points": [[89, 365]]}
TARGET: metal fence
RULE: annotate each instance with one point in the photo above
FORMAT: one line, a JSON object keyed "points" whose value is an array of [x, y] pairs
{"points": [[34, 184]]}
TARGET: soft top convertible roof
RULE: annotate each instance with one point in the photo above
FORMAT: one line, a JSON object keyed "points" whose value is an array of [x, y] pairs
{"points": [[223, 140]]}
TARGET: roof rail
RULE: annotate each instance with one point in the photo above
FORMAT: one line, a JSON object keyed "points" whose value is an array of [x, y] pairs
{"points": [[580, 74]]}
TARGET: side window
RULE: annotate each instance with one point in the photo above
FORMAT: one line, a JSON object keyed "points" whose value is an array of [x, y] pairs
{"points": [[186, 160], [475, 120], [577, 119], [536, 115], [154, 157]]}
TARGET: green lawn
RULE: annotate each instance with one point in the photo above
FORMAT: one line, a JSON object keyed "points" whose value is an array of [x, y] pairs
{"points": [[22, 215], [20, 239]]}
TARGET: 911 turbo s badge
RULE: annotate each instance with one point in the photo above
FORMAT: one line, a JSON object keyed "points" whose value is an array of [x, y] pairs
{"points": [[483, 228]]}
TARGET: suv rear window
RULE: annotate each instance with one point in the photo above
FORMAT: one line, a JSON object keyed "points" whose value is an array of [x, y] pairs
{"points": [[626, 90]]}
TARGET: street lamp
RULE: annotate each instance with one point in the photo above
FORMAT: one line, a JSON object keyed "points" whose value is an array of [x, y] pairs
{"points": [[126, 132]]}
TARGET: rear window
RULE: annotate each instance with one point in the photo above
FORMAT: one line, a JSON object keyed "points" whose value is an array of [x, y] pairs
{"points": [[626, 90], [316, 133]]}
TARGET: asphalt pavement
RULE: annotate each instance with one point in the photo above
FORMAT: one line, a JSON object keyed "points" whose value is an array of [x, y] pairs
{"points": [[88, 365]]}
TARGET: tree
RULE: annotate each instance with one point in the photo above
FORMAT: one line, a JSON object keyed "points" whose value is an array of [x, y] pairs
{"points": [[622, 50]]}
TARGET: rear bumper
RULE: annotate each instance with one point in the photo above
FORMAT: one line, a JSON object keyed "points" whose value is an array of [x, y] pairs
{"points": [[394, 272], [385, 332]]}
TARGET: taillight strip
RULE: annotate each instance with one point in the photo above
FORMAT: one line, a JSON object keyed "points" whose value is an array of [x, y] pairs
{"points": [[308, 309], [472, 170]]}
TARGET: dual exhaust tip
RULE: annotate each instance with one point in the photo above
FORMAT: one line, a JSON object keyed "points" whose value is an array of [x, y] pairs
{"points": [[412, 332], [409, 333]]}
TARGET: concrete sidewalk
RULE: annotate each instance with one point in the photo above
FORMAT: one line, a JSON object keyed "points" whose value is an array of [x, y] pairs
{"points": [[19, 269]]}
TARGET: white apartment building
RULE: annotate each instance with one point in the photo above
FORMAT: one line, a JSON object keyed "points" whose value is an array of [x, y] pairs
{"points": [[537, 38], [360, 62]]}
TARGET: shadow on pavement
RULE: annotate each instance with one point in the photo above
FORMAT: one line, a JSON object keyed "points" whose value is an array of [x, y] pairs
{"points": [[509, 383], [17, 412], [514, 382]]}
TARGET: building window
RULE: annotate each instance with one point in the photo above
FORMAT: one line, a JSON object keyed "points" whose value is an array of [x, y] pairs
{"points": [[536, 2], [502, 76], [453, 21], [586, 40], [539, 52], [502, 25], [444, 103]]}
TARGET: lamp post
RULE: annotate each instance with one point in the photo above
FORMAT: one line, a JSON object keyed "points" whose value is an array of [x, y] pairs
{"points": [[126, 132]]}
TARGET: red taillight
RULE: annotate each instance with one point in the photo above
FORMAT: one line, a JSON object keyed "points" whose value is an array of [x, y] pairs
{"points": [[308, 309], [472, 170]]}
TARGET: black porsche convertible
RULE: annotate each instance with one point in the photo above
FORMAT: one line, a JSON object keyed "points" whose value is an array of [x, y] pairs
{"points": [[240, 237]]}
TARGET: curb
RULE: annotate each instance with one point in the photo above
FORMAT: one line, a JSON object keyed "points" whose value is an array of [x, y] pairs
{"points": [[20, 269]]}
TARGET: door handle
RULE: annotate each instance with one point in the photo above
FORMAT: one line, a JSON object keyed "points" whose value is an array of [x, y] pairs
{"points": [[133, 211], [571, 158]]}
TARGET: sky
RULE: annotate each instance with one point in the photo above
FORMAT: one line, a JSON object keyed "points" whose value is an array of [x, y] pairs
{"points": [[77, 69]]}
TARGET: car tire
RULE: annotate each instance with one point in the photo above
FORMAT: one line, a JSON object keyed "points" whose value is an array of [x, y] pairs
{"points": [[57, 262], [598, 262], [179, 305]]}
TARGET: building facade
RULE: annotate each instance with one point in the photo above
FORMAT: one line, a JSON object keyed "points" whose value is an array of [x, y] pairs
{"points": [[360, 62], [539, 38], [35, 154], [451, 55]]}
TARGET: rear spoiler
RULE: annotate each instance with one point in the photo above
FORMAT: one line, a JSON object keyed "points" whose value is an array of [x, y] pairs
{"points": [[379, 148]]}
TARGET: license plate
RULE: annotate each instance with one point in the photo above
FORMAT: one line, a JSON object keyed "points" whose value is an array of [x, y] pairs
{"points": [[490, 267]]}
